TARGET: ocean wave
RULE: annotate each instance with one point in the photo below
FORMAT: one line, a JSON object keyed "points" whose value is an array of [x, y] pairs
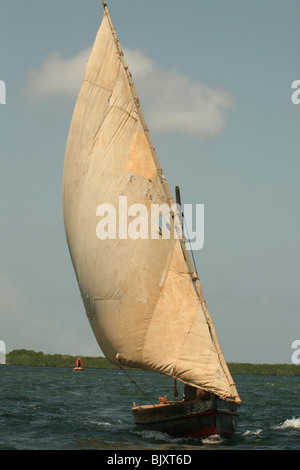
{"points": [[100, 423], [252, 433], [157, 435], [293, 423], [213, 439]]}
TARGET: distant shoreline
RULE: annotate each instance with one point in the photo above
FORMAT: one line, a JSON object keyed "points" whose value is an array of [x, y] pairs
{"points": [[24, 357]]}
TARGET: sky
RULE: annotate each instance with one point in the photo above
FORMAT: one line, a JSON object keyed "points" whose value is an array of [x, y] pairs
{"points": [[215, 84]]}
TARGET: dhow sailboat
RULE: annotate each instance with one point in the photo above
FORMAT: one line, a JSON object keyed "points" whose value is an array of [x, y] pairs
{"points": [[141, 294]]}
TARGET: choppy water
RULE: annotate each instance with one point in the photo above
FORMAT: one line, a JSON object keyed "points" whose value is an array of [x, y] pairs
{"points": [[57, 409]]}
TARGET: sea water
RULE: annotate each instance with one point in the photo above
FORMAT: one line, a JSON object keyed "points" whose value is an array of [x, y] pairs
{"points": [[58, 409]]}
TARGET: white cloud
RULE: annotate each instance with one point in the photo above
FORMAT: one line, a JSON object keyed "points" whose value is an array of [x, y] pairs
{"points": [[171, 101], [58, 76]]}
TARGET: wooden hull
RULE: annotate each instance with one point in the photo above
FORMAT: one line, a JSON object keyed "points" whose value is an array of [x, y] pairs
{"points": [[198, 419], [78, 368]]}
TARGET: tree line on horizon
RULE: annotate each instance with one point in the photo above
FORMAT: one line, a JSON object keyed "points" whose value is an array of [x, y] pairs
{"points": [[24, 357]]}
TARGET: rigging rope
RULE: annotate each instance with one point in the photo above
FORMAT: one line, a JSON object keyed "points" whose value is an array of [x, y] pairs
{"points": [[134, 382]]}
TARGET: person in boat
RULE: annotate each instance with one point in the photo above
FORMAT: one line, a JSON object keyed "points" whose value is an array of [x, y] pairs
{"points": [[191, 393]]}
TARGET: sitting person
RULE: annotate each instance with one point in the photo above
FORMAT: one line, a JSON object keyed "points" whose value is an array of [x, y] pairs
{"points": [[194, 393]]}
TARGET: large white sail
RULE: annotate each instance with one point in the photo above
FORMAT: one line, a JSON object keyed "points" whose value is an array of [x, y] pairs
{"points": [[138, 293]]}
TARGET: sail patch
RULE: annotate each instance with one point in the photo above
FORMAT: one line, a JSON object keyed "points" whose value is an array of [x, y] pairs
{"points": [[139, 159]]}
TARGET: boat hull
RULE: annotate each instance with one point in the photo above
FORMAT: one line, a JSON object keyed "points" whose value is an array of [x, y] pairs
{"points": [[198, 419]]}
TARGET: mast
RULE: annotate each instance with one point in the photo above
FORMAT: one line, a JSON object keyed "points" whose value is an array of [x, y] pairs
{"points": [[165, 188]]}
